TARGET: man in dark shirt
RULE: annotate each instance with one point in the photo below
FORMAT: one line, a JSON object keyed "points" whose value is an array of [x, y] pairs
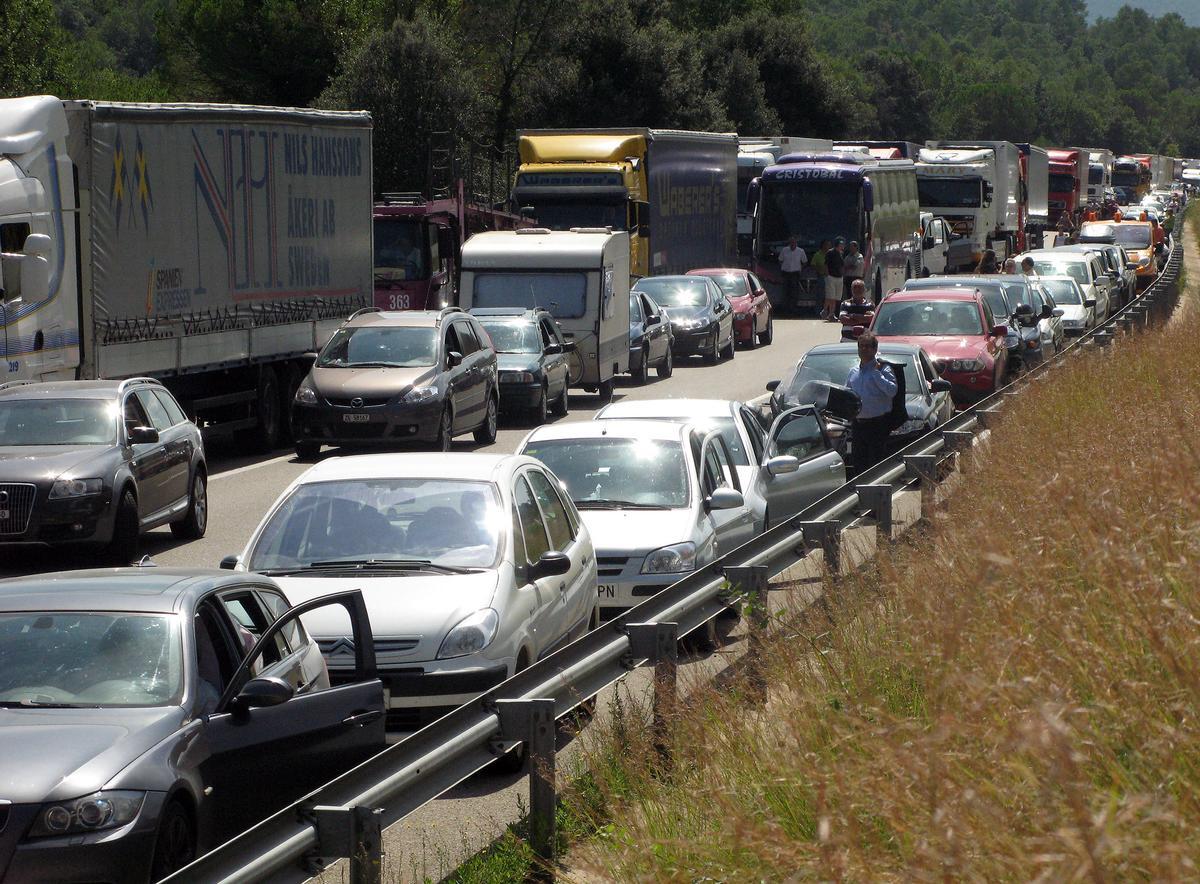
{"points": [[834, 265]]}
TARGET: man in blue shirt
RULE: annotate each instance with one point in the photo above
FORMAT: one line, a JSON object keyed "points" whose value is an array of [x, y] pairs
{"points": [[875, 385]]}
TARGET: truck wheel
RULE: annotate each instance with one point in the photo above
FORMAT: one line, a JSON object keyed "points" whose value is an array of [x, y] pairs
{"points": [[485, 433], [642, 368], [265, 436], [308, 450], [768, 334], [666, 368], [126, 531], [195, 523], [606, 390]]}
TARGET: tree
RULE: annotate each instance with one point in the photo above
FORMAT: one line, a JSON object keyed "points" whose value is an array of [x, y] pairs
{"points": [[32, 48], [903, 101]]}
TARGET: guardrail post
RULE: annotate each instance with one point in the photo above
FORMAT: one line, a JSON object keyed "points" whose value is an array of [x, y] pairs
{"points": [[826, 536], [658, 643], [989, 416], [925, 468], [958, 440], [532, 722], [753, 581], [353, 832], [878, 498], [1103, 337]]}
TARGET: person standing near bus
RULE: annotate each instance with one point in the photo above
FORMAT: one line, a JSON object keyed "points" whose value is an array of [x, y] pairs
{"points": [[792, 259], [854, 267], [834, 267]]}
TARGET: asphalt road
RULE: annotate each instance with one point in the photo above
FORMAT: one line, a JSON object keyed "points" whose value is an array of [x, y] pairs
{"points": [[432, 842]]}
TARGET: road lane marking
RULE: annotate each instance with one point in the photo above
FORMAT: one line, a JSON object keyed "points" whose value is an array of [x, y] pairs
{"points": [[248, 467]]}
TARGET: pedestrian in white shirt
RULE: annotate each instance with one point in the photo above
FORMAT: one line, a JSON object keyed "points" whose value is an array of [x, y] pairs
{"points": [[791, 261]]}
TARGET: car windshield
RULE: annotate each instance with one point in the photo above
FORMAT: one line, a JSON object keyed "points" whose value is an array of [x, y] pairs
{"points": [[941, 191], [723, 425], [834, 368], [617, 473], [513, 337], [563, 294], [1077, 270], [1062, 183], [674, 291], [90, 659], [445, 522], [565, 214], [1132, 236], [1103, 233], [928, 318], [399, 249], [732, 285], [392, 346], [1063, 291], [58, 422]]}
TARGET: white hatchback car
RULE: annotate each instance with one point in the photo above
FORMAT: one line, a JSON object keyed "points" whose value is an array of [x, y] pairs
{"points": [[1086, 268], [1078, 310], [473, 566]]}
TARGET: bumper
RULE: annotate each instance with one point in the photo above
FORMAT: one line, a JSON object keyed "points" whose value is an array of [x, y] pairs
{"points": [[688, 342], [618, 594], [744, 329], [110, 857], [387, 425], [421, 692], [967, 389], [520, 395], [81, 520]]}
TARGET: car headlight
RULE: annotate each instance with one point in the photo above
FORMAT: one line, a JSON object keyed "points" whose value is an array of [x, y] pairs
{"points": [[472, 634], [75, 488], [517, 377], [306, 395], [691, 323], [421, 394], [965, 365], [103, 810], [673, 559], [1145, 262]]}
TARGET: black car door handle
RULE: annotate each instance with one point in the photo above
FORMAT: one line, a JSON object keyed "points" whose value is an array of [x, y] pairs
{"points": [[361, 719]]}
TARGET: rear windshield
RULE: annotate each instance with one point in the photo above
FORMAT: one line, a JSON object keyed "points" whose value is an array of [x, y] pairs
{"points": [[1063, 291], [563, 294], [513, 337], [928, 318]]}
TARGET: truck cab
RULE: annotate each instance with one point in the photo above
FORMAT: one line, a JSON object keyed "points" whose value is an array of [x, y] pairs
{"points": [[1068, 180], [959, 185], [416, 252]]}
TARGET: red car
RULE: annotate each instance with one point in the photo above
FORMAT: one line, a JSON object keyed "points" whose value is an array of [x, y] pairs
{"points": [[958, 330], [752, 321]]}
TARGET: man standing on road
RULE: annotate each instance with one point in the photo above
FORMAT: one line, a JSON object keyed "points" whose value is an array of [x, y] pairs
{"points": [[875, 385], [791, 261], [834, 266], [852, 268]]}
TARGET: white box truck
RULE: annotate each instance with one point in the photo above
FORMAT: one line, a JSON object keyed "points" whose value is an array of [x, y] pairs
{"points": [[976, 185], [208, 246], [1100, 163], [581, 276]]}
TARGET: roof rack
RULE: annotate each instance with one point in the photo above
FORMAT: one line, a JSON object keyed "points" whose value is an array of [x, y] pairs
{"points": [[445, 310], [361, 310], [402, 198], [8, 385]]}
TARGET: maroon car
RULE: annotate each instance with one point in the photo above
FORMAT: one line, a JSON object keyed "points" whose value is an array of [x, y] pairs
{"points": [[752, 321]]}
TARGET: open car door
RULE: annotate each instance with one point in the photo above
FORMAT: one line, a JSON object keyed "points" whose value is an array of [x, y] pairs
{"points": [[800, 463]]}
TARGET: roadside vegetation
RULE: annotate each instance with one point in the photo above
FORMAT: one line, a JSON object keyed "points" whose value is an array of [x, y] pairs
{"points": [[1012, 694]]}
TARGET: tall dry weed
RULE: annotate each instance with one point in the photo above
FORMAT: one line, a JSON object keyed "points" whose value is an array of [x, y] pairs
{"points": [[1015, 695]]}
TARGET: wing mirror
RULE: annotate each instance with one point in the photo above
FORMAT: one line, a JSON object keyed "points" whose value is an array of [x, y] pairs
{"points": [[143, 435], [454, 358], [311, 357], [1047, 311], [999, 331], [262, 692], [772, 386], [551, 564], [940, 385], [230, 563], [1089, 302], [654, 319], [554, 348], [724, 499], [781, 464], [927, 243], [1058, 311], [1131, 265]]}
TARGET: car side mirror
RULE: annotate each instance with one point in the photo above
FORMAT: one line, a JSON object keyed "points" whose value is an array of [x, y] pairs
{"points": [[554, 348], [1047, 312], [1058, 311], [230, 563], [1089, 302], [999, 331], [1131, 265], [927, 243], [781, 464], [772, 386], [143, 435], [724, 499], [262, 692], [570, 346], [311, 357], [551, 564], [940, 385], [653, 320], [454, 358]]}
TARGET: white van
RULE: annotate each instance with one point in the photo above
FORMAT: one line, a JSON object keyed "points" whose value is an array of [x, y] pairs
{"points": [[581, 276]]}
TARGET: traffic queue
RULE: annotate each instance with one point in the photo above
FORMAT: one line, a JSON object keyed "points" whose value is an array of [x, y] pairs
{"points": [[397, 578]]}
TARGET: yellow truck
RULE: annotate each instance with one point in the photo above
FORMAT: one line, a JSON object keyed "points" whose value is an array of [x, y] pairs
{"points": [[674, 192]]}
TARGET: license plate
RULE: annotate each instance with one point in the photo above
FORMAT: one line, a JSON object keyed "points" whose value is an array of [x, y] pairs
{"points": [[356, 418], [607, 590]]}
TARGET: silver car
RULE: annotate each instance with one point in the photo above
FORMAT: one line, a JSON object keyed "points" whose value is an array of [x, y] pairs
{"points": [[1078, 310], [1086, 268], [473, 566]]}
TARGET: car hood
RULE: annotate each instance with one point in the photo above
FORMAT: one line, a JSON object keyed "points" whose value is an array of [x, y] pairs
{"points": [[517, 362], [28, 463], [943, 346], [637, 532], [1073, 311], [416, 605], [678, 313], [56, 754], [345, 383]]}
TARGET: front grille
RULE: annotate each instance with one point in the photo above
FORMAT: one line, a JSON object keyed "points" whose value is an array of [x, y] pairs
{"points": [[610, 566], [339, 652], [16, 502], [359, 431], [363, 402]]}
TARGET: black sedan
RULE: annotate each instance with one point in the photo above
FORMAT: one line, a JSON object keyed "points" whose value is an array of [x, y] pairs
{"points": [[98, 463], [701, 315], [147, 715], [532, 358]]}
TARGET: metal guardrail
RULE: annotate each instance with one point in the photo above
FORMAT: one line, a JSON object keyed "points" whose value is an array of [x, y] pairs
{"points": [[344, 818]]}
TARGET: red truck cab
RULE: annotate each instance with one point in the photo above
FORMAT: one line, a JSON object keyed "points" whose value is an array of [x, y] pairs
{"points": [[1068, 174]]}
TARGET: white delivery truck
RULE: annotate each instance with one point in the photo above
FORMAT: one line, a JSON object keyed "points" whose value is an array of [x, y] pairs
{"points": [[755, 153], [977, 187], [581, 276], [208, 246], [1100, 163]]}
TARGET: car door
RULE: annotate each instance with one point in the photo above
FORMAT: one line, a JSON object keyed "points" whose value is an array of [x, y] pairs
{"points": [[554, 357], [458, 380], [733, 526], [540, 598], [656, 326], [799, 433], [147, 460], [261, 757], [175, 440], [760, 299], [943, 406], [725, 311], [753, 477], [576, 588], [475, 361]]}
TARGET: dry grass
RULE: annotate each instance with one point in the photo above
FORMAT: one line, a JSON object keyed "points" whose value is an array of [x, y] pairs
{"points": [[1014, 697]]}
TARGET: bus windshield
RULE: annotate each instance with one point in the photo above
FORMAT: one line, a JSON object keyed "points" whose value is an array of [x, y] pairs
{"points": [[941, 191], [811, 211]]}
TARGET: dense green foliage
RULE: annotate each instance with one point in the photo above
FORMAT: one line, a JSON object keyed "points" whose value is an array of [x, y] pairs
{"points": [[1189, 9], [1027, 70]]}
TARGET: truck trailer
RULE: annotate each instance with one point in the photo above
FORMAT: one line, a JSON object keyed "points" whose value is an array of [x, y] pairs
{"points": [[674, 192], [208, 246]]}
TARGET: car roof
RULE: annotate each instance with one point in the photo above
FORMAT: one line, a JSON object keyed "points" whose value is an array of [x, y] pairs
{"points": [[961, 293], [950, 281], [671, 277], [617, 428], [428, 465], [650, 408], [410, 318], [508, 312], [67, 389], [717, 271], [1050, 254], [144, 589]]}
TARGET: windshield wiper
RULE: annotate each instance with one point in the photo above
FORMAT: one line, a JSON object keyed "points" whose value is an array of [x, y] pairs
{"points": [[387, 565], [35, 704], [617, 505], [371, 365]]}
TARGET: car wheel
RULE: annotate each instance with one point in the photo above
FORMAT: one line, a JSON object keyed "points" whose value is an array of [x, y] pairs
{"points": [[752, 341], [486, 433], [307, 450], [195, 523], [730, 348], [445, 430], [126, 531], [768, 334], [605, 390], [714, 352], [666, 368], [175, 845], [562, 406], [539, 412], [642, 368]]}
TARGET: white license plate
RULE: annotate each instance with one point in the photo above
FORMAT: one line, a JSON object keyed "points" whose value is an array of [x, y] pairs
{"points": [[356, 418], [607, 590]]}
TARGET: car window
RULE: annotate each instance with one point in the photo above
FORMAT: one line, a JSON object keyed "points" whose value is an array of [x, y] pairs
{"points": [[135, 415], [276, 606], [754, 432], [467, 338], [250, 621], [159, 418], [533, 529], [453, 344], [754, 283], [172, 407], [716, 471], [547, 331], [635, 309], [928, 369], [800, 437], [217, 657], [554, 514]]}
